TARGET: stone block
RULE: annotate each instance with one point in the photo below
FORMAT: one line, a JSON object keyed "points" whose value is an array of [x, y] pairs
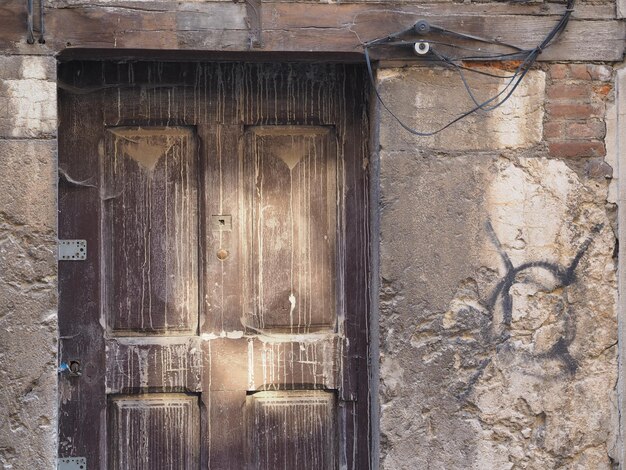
{"points": [[28, 103], [17, 67], [28, 180], [28, 299], [28, 399], [428, 98]]}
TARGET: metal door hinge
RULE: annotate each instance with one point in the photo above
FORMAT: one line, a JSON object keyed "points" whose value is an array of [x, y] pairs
{"points": [[72, 250], [72, 463]]}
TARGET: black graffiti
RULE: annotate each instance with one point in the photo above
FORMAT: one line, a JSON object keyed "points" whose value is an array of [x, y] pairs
{"points": [[564, 275], [501, 297]]}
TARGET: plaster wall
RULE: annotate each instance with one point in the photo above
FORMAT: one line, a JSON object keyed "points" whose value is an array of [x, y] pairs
{"points": [[498, 284]]}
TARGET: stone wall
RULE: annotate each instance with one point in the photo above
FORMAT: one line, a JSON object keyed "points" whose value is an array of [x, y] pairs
{"points": [[28, 288], [498, 271]]}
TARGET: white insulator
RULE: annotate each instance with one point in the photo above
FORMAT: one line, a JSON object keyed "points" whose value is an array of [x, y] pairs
{"points": [[421, 47]]}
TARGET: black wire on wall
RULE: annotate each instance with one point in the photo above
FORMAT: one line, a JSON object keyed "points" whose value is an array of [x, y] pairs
{"points": [[30, 33], [528, 57]]}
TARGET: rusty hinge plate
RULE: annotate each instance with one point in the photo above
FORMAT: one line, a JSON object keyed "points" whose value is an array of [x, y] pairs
{"points": [[72, 250], [72, 463]]}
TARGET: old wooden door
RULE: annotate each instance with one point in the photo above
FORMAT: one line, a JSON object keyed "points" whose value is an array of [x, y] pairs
{"points": [[220, 317]]}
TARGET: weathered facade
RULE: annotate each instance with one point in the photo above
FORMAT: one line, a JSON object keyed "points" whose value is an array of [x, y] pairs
{"points": [[511, 283], [494, 330]]}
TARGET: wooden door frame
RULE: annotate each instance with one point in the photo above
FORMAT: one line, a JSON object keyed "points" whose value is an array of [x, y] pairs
{"points": [[371, 318]]}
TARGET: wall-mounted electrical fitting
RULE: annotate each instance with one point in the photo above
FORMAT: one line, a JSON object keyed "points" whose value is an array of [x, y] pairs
{"points": [[421, 48], [438, 44]]}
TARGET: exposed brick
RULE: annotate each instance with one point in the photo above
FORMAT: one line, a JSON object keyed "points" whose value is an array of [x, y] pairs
{"points": [[579, 72], [586, 130], [602, 90], [558, 71], [601, 73], [552, 130], [572, 110], [582, 148], [568, 91]]}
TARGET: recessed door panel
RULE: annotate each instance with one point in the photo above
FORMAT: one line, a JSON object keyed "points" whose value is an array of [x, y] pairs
{"points": [[292, 171], [292, 430], [154, 432], [173, 365], [150, 230]]}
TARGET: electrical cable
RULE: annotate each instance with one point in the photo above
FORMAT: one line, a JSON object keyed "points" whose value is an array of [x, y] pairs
{"points": [[528, 56], [42, 26], [30, 38], [508, 56], [518, 74], [471, 37]]}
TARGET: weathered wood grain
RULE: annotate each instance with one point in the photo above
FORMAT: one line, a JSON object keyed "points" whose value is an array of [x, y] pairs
{"points": [[169, 426], [594, 33], [292, 175], [310, 444], [348, 26], [80, 330], [142, 365], [150, 252]]}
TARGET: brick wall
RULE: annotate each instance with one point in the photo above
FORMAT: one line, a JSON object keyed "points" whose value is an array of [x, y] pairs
{"points": [[576, 98]]}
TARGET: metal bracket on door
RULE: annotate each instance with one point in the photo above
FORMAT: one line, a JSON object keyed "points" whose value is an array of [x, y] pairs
{"points": [[72, 463], [72, 250]]}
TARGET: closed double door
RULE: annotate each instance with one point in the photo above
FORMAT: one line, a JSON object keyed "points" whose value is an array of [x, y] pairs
{"points": [[219, 319]]}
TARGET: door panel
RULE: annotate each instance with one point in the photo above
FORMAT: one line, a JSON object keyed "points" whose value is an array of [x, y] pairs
{"points": [[171, 365], [292, 429], [154, 432], [150, 230], [220, 320], [292, 175]]}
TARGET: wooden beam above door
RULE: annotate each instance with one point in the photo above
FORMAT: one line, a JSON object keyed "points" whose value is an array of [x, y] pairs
{"points": [[594, 33]]}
